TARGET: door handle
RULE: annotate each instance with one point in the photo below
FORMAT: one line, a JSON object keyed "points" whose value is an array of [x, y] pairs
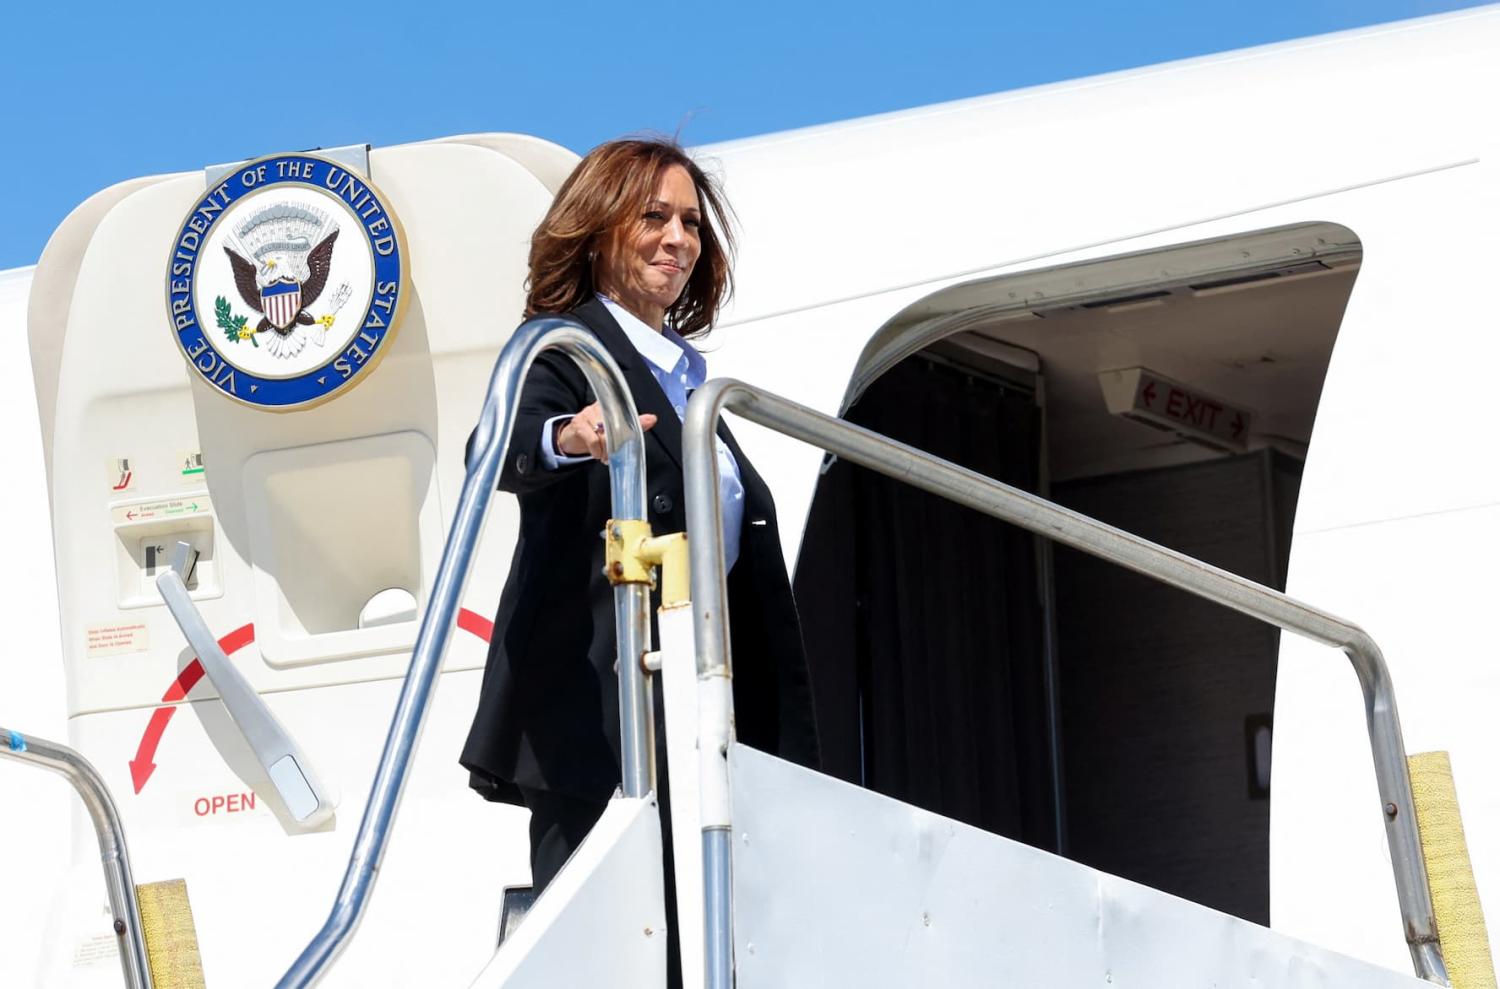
{"points": [[279, 755]]}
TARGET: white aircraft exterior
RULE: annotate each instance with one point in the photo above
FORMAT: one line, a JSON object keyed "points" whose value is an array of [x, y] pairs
{"points": [[1302, 233]]}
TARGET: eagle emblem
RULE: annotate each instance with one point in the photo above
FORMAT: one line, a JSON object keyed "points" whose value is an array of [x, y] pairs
{"points": [[280, 258], [287, 279]]}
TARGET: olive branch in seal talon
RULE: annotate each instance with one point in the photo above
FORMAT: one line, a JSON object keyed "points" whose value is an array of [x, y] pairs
{"points": [[233, 326]]}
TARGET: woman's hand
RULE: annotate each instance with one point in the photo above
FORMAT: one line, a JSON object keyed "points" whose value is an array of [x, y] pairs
{"points": [[584, 433]]}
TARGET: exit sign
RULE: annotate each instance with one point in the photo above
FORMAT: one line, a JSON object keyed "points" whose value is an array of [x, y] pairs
{"points": [[1143, 395]]}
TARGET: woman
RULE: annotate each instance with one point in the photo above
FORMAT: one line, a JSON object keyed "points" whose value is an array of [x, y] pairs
{"points": [[636, 247]]}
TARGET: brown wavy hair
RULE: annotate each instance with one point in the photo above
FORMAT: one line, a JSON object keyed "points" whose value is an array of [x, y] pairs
{"points": [[599, 203]]}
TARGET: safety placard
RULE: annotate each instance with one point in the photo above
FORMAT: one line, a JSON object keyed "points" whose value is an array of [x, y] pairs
{"points": [[97, 949], [120, 474], [163, 508], [113, 640], [190, 466]]}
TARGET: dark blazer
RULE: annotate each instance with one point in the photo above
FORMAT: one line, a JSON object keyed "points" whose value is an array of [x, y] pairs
{"points": [[548, 714]]}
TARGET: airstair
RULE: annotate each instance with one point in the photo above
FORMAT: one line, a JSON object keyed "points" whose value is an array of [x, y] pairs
{"points": [[784, 877]]}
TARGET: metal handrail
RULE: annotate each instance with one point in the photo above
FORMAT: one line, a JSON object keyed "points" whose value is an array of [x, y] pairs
{"points": [[72, 766], [626, 445], [705, 524]]}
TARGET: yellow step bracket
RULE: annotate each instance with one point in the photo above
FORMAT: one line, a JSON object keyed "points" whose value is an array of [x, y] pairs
{"points": [[1455, 895], [171, 937]]}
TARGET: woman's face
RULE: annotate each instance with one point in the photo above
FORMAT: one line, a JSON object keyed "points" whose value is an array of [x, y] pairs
{"points": [[647, 266]]}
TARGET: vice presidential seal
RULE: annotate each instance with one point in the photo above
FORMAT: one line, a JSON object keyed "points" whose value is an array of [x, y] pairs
{"points": [[286, 281]]}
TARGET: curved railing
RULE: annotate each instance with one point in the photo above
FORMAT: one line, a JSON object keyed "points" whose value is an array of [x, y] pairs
{"points": [[878, 453], [626, 445], [78, 771]]}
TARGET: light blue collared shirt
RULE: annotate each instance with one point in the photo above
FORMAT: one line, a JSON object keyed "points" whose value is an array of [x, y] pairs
{"points": [[679, 369]]}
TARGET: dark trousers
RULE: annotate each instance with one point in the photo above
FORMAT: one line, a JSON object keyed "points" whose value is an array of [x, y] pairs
{"points": [[559, 824]]}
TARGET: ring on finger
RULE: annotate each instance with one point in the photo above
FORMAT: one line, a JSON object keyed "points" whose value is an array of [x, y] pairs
{"points": [[599, 428]]}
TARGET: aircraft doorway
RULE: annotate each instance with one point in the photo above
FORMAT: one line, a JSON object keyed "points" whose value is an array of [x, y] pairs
{"points": [[1041, 694], [923, 620]]}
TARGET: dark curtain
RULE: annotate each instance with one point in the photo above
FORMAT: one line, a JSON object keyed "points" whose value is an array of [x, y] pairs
{"points": [[923, 619]]}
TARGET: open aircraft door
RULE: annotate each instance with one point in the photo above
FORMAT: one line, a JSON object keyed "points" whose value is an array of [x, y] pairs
{"points": [[266, 373]]}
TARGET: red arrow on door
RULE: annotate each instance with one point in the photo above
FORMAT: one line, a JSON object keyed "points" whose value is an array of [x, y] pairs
{"points": [[141, 767]]}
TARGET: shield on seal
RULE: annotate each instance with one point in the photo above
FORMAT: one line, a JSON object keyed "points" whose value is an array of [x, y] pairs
{"points": [[281, 301]]}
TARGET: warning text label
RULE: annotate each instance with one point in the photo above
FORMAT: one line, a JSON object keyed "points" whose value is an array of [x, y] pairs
{"points": [[112, 640]]}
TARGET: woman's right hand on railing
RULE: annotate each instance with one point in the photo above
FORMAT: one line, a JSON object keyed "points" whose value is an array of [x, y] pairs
{"points": [[583, 435]]}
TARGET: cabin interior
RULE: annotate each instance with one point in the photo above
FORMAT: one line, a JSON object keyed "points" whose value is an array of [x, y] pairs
{"points": [[965, 666]]}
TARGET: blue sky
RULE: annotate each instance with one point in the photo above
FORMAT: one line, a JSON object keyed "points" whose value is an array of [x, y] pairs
{"points": [[95, 93]]}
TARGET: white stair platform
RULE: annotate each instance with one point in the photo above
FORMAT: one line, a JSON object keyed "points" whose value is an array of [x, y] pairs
{"points": [[835, 885], [602, 921]]}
